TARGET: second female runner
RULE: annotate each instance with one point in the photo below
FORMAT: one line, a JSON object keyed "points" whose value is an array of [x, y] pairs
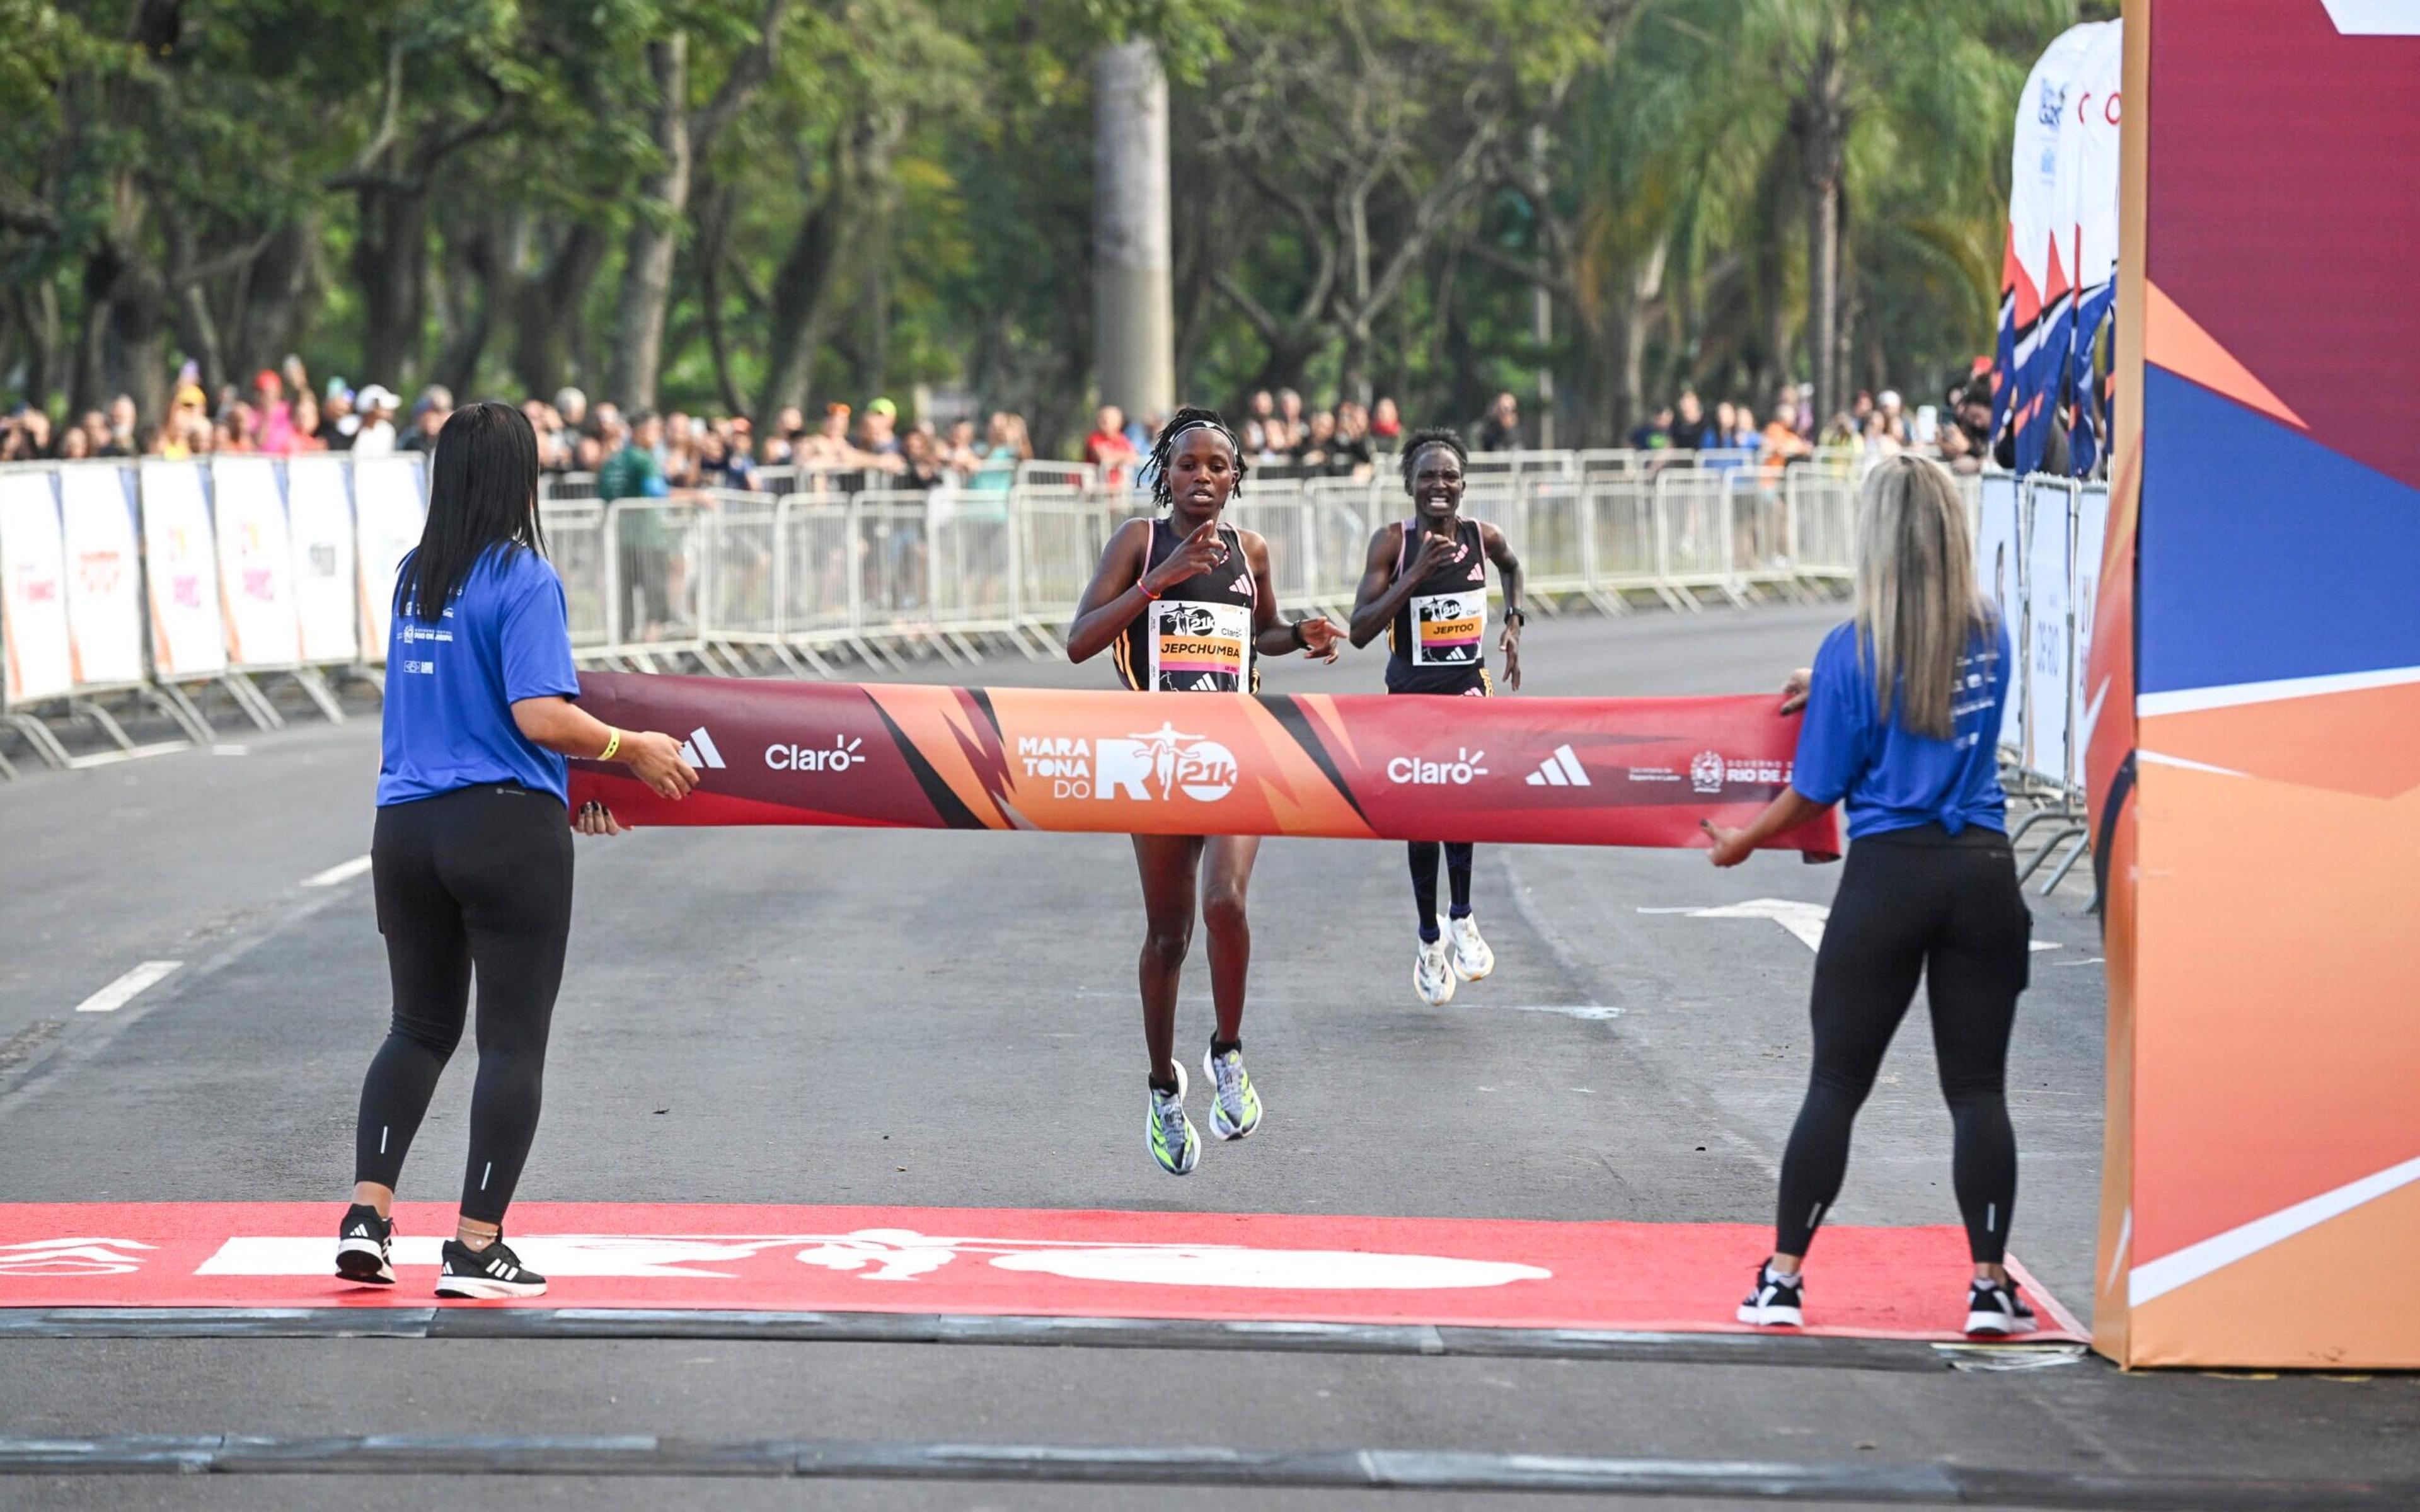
{"points": [[1183, 604], [1425, 585]]}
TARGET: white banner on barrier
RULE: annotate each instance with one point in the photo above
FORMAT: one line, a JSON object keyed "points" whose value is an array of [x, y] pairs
{"points": [[104, 576], [2091, 540], [319, 516], [2000, 573], [255, 563], [33, 590], [187, 637], [2049, 638], [387, 516]]}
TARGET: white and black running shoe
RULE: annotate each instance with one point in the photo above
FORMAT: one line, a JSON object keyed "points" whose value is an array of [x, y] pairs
{"points": [[1778, 1301], [485, 1275], [365, 1248], [1994, 1309]]}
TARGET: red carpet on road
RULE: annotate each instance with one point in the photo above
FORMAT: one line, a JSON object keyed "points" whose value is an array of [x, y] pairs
{"points": [[1875, 1283]]}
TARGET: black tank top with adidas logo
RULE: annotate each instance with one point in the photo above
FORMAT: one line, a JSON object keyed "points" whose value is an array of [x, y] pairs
{"points": [[1438, 641], [1197, 636]]}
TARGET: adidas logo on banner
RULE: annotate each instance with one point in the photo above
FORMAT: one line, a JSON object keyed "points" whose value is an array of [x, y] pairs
{"points": [[698, 750], [1561, 770]]}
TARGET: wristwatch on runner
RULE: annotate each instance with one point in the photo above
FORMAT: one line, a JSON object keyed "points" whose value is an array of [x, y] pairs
{"points": [[1515, 614]]}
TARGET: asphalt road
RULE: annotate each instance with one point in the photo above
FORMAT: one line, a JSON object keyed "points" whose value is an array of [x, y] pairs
{"points": [[942, 1018]]}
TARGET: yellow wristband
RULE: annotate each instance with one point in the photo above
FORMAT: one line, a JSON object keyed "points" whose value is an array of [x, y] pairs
{"points": [[611, 747]]}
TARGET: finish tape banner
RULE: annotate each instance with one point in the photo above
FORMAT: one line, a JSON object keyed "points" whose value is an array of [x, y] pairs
{"points": [[1528, 771]]}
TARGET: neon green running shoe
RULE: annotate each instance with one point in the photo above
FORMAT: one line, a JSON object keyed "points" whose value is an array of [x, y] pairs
{"points": [[1236, 1107], [1173, 1143]]}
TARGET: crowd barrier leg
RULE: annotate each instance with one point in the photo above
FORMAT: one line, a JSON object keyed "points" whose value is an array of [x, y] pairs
{"points": [[39, 736], [253, 702], [101, 720], [315, 688]]}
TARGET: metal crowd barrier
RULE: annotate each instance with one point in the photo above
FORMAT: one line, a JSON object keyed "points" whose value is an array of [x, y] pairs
{"points": [[801, 573]]}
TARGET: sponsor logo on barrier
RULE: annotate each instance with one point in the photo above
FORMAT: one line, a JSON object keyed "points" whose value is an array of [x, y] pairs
{"points": [[35, 586], [1561, 770], [1653, 773], [1160, 764], [1458, 772], [100, 572], [841, 754], [1711, 770], [699, 750]]}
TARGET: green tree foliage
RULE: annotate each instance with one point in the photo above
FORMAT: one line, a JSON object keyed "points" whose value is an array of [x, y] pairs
{"points": [[755, 204]]}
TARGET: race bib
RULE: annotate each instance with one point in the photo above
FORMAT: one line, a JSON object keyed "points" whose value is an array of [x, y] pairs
{"points": [[1197, 647], [1448, 629]]}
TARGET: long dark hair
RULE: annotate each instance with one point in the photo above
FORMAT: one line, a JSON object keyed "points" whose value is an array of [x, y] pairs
{"points": [[482, 493]]}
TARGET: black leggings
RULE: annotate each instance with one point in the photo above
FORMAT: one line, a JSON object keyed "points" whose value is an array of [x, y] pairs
{"points": [[1916, 900], [1457, 870], [476, 878]]}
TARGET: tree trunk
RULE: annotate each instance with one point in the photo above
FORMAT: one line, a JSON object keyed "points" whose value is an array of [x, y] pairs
{"points": [[390, 266], [545, 304], [197, 330], [706, 254], [655, 233], [469, 302], [820, 254], [278, 290], [1824, 294]]}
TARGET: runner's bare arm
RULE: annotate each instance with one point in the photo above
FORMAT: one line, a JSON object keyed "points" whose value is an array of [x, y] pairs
{"points": [[1382, 594], [1111, 602], [1508, 569]]}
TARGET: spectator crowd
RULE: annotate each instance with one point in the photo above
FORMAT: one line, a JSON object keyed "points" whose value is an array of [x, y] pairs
{"points": [[640, 452]]}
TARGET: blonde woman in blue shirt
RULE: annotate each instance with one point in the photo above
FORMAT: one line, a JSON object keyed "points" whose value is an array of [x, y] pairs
{"points": [[1903, 724]]}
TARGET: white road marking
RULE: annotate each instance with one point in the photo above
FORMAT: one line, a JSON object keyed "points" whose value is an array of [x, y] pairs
{"points": [[341, 871], [111, 758], [1803, 919], [122, 991], [1569, 1010], [230, 751]]}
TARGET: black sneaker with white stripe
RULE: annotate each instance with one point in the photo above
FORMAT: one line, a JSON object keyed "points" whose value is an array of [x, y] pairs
{"points": [[1994, 1309], [486, 1274], [1778, 1301], [365, 1248]]}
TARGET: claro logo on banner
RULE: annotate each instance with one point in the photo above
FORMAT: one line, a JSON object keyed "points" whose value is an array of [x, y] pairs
{"points": [[1157, 765]]}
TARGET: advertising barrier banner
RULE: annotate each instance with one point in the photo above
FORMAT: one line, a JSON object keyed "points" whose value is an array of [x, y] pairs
{"points": [[255, 563], [1533, 771], [187, 637], [104, 576], [387, 515], [320, 517], [2000, 573], [33, 590], [2048, 638]]}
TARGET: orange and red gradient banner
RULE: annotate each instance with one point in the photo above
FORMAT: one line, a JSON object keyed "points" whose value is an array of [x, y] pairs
{"points": [[1538, 771]]}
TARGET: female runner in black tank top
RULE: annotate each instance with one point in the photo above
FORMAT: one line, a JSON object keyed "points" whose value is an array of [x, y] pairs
{"points": [[1184, 605], [1425, 584]]}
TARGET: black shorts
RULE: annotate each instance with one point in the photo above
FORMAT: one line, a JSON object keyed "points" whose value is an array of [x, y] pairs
{"points": [[1471, 683]]}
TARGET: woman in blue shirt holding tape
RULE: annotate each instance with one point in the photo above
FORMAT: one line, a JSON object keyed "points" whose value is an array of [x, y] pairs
{"points": [[1903, 724], [471, 855]]}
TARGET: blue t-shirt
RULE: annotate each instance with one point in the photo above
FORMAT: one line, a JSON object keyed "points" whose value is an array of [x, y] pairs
{"points": [[450, 686], [1892, 778]]}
